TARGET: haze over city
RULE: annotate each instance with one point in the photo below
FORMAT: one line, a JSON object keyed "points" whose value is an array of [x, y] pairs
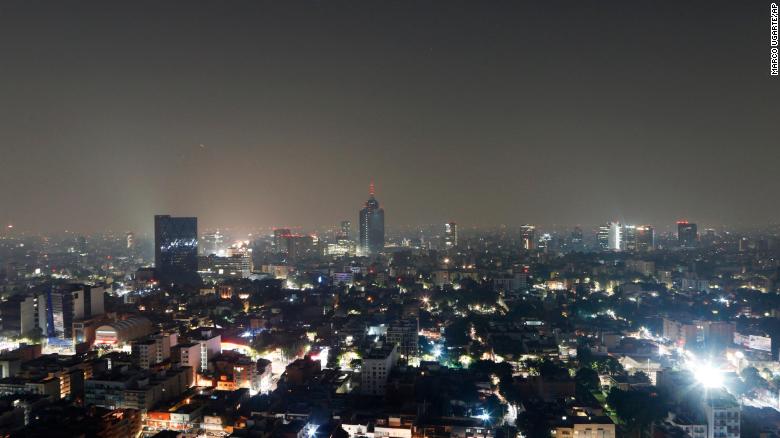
{"points": [[260, 114]]}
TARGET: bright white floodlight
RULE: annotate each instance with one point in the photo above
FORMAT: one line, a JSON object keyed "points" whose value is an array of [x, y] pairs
{"points": [[708, 376]]}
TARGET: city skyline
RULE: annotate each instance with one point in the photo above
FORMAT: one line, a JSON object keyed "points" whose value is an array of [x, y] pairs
{"points": [[669, 227], [389, 219]]}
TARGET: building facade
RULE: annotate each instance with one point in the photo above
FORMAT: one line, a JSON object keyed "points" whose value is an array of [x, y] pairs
{"points": [[372, 225], [687, 234], [176, 249]]}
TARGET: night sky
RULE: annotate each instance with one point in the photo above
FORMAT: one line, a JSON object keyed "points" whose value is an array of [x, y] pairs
{"points": [[279, 113]]}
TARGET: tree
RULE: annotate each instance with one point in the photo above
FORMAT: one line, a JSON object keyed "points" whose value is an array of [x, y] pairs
{"points": [[638, 409], [550, 370], [752, 379], [587, 381], [457, 332], [607, 365]]}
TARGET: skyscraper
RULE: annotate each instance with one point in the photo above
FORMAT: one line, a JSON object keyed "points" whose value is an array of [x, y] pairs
{"points": [[450, 235], [603, 237], [212, 243], [628, 242], [687, 234], [131, 245], [342, 245], [346, 230], [645, 238], [528, 236], [615, 237], [176, 249], [372, 225], [280, 244]]}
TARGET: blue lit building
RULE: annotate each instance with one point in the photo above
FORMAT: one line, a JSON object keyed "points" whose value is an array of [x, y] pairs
{"points": [[372, 225], [176, 249]]}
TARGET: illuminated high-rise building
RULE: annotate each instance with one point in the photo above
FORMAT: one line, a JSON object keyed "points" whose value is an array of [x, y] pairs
{"points": [[744, 244], [299, 246], [687, 234], [528, 236], [372, 225], [343, 245], [545, 242], [294, 246], [176, 249], [450, 235], [280, 242], [603, 237], [346, 230], [645, 238], [628, 240], [615, 237], [236, 262], [213, 243]]}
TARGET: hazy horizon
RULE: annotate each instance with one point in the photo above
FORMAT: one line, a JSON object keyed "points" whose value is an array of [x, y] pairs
{"points": [[253, 113]]}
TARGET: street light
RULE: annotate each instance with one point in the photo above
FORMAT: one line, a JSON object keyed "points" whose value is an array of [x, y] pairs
{"points": [[705, 374]]}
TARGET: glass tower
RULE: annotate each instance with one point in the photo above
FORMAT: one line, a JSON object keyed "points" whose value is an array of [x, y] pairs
{"points": [[176, 249], [372, 225]]}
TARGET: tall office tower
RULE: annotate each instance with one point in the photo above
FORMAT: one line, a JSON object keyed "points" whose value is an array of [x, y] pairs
{"points": [[280, 240], [603, 237], [346, 230], [176, 249], [130, 238], [628, 240], [297, 247], [450, 235], [342, 245], [240, 256], [528, 236], [545, 242], [576, 241], [687, 234], [372, 225], [645, 238], [615, 237], [213, 243]]}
